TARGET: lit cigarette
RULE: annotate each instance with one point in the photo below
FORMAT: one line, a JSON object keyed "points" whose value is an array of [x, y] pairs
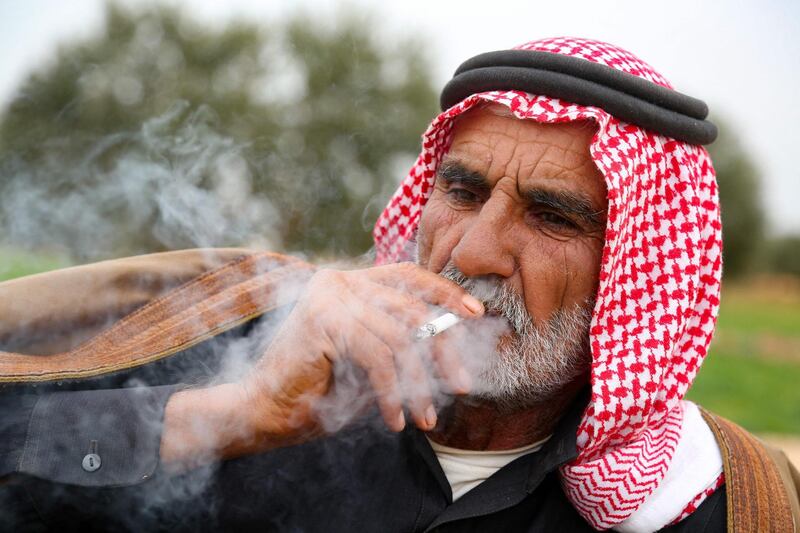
{"points": [[436, 326]]}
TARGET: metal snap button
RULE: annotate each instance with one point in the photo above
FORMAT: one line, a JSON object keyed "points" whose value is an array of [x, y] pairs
{"points": [[91, 462]]}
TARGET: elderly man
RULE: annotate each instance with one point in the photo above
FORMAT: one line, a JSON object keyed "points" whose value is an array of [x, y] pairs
{"points": [[563, 210]]}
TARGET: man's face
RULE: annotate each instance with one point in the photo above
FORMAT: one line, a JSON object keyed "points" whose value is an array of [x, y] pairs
{"points": [[521, 203]]}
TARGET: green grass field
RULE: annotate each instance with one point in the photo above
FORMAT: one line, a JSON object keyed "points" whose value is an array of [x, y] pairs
{"points": [[752, 374], [762, 395], [16, 263]]}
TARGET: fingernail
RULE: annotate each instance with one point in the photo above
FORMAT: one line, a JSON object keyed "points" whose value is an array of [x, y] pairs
{"points": [[464, 381], [473, 304], [430, 416], [401, 421]]}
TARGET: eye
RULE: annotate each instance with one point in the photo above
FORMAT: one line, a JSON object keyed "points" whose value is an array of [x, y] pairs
{"points": [[554, 223], [462, 196], [556, 220]]}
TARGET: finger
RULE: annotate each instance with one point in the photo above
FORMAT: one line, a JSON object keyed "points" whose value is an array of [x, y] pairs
{"points": [[448, 364], [412, 372], [400, 305], [377, 360], [429, 286], [389, 328], [413, 312], [416, 387]]}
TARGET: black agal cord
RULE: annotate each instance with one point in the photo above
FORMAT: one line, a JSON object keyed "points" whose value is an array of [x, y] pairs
{"points": [[625, 96]]}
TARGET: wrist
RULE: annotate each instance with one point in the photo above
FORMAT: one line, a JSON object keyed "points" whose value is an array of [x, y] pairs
{"points": [[206, 424], [270, 423]]}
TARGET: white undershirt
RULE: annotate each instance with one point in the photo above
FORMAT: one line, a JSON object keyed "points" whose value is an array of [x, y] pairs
{"points": [[466, 469]]}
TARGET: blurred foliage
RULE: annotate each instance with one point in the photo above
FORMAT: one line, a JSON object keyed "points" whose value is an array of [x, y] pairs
{"points": [[783, 255], [743, 231], [747, 248], [163, 133], [320, 115], [753, 367]]}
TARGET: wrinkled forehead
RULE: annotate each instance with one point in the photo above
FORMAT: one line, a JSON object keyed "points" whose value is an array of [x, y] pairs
{"points": [[489, 143], [501, 129]]}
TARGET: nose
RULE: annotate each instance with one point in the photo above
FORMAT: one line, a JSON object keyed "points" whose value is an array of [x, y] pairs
{"points": [[485, 247]]}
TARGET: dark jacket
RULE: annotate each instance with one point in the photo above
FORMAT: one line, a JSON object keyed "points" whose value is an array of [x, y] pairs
{"points": [[361, 479]]}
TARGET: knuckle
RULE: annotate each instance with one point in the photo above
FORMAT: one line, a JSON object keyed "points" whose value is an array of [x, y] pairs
{"points": [[386, 360], [419, 310], [401, 340], [450, 288], [320, 278], [382, 359], [406, 267], [326, 275], [410, 302]]}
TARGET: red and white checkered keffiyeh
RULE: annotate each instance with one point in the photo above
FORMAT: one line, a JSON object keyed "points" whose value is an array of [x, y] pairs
{"points": [[658, 294]]}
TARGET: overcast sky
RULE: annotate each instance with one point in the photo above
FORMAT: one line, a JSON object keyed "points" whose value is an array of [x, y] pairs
{"points": [[741, 57]]}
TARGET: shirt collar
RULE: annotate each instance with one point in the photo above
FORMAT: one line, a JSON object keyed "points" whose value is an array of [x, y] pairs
{"points": [[562, 446], [528, 471]]}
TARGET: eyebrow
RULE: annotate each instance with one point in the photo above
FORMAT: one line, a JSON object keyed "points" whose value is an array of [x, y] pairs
{"points": [[567, 202], [452, 172]]}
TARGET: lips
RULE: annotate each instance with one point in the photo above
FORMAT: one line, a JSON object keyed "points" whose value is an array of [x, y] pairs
{"points": [[497, 316], [493, 313]]}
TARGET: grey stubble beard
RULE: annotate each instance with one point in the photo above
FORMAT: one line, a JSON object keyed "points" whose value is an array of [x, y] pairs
{"points": [[535, 362]]}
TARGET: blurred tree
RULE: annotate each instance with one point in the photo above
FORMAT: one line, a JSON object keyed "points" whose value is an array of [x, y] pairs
{"points": [[743, 232], [162, 133], [784, 255]]}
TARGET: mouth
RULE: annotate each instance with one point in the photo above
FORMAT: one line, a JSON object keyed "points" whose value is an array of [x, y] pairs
{"points": [[495, 315], [492, 312]]}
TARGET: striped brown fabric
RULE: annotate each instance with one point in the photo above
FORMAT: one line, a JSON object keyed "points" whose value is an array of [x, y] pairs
{"points": [[758, 497], [56, 311], [240, 290]]}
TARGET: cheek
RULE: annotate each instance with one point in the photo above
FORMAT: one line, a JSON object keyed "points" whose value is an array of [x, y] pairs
{"points": [[558, 275], [440, 229]]}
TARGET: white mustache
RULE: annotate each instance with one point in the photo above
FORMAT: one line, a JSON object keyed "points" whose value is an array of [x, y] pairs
{"points": [[497, 297]]}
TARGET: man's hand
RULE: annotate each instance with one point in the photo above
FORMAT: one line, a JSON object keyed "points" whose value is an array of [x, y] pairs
{"points": [[364, 318]]}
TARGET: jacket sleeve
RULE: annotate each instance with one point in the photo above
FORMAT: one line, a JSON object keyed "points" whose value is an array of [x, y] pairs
{"points": [[97, 438], [15, 414]]}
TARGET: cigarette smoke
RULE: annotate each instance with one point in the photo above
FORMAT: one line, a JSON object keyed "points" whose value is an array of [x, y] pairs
{"points": [[515, 364], [189, 186], [177, 181]]}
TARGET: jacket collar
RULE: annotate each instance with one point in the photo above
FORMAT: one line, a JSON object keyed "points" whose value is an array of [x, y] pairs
{"points": [[525, 474]]}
